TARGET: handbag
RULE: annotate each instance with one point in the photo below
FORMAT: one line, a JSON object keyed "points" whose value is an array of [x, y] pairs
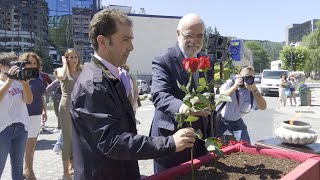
{"points": [[287, 92]]}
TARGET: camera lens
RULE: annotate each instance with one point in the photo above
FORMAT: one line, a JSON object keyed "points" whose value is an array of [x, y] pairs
{"points": [[249, 80]]}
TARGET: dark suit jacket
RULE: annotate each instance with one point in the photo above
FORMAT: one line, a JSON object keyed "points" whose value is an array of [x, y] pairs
{"points": [[105, 140], [167, 69]]}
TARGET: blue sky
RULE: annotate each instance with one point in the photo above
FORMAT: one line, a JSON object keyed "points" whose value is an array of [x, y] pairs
{"points": [[247, 19]]}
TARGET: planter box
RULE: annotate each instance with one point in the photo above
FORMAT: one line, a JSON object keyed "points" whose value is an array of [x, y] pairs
{"points": [[307, 170]]}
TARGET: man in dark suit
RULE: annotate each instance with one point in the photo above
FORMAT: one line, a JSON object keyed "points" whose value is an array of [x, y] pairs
{"points": [[105, 140], [167, 97]]}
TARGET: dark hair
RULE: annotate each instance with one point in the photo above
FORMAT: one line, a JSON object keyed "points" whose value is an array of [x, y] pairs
{"points": [[283, 75], [105, 23], [26, 55], [7, 57]]}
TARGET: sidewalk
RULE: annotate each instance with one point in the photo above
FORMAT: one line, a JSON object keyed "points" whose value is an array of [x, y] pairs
{"points": [[48, 164], [309, 114]]}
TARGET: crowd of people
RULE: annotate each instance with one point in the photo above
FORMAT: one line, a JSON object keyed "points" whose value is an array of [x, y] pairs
{"points": [[287, 88], [96, 103]]}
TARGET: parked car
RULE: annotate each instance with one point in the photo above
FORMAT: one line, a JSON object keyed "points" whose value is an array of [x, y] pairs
{"points": [[143, 86], [257, 78], [270, 80]]}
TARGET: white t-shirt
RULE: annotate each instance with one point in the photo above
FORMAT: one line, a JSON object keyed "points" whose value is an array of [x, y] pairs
{"points": [[12, 107]]}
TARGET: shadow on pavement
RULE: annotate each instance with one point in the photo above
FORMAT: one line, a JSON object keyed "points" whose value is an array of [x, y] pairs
{"points": [[44, 144]]}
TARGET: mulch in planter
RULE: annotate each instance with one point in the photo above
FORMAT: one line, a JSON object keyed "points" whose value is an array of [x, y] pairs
{"points": [[241, 165]]}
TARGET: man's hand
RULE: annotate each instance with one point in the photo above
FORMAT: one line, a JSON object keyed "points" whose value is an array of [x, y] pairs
{"points": [[238, 81], [251, 87], [204, 113], [184, 138]]}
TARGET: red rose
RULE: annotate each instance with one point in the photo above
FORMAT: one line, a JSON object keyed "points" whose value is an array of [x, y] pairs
{"points": [[191, 64], [204, 63]]}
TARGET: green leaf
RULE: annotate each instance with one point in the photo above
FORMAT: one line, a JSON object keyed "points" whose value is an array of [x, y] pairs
{"points": [[222, 98], [203, 99], [202, 85], [180, 118], [213, 145], [198, 106], [200, 88], [202, 82], [194, 100], [191, 119], [199, 134], [182, 87], [219, 152]]}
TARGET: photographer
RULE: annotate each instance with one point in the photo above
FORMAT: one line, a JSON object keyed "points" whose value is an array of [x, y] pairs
{"points": [[14, 123], [245, 96], [37, 111]]}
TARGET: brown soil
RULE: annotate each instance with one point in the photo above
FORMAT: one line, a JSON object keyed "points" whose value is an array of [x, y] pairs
{"points": [[242, 166]]}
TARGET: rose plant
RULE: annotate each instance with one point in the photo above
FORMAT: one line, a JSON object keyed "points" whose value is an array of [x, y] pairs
{"points": [[199, 99]]}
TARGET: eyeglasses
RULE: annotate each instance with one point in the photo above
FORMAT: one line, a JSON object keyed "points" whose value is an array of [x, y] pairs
{"points": [[191, 36]]}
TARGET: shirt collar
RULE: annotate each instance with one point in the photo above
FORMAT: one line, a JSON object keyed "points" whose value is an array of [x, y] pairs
{"points": [[114, 70]]}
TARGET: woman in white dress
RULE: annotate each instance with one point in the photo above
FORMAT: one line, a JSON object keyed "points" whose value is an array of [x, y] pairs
{"points": [[282, 87]]}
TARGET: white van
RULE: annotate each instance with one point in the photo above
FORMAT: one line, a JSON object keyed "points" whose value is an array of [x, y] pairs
{"points": [[270, 80]]}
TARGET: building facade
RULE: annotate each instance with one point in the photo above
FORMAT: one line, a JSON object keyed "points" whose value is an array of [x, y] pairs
{"points": [[23, 25], [295, 32], [48, 26]]}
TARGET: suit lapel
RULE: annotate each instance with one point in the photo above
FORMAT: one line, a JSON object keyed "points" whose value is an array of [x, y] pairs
{"points": [[120, 89], [178, 58]]}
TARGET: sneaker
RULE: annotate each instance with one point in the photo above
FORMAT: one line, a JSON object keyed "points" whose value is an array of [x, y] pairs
{"points": [[56, 149]]}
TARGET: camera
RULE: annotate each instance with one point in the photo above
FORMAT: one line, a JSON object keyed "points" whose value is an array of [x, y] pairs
{"points": [[23, 73], [248, 79]]}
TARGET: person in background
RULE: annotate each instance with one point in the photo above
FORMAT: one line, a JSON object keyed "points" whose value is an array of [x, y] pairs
{"points": [[134, 91], [55, 90], [167, 97], [37, 113], [14, 122], [245, 96], [105, 140], [67, 75], [283, 84], [46, 80], [292, 86]]}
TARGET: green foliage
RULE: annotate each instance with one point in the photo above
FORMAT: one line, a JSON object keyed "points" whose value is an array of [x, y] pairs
{"points": [[60, 37], [47, 64], [312, 43], [299, 57], [208, 31], [260, 55]]}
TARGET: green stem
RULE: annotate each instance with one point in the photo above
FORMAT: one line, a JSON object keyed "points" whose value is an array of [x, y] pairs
{"points": [[205, 76], [192, 166], [211, 123]]}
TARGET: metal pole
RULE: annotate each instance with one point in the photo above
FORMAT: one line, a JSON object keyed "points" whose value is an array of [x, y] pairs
{"points": [[260, 68], [291, 57]]}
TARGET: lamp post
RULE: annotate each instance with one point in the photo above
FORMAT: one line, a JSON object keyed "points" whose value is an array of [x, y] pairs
{"points": [[291, 45]]}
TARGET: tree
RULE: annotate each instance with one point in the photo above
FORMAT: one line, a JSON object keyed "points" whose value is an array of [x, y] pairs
{"points": [[46, 60], [208, 31], [299, 57], [312, 43], [60, 35], [260, 55]]}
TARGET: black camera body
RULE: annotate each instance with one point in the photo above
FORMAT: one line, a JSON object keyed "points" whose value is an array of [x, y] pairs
{"points": [[248, 79], [23, 73]]}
